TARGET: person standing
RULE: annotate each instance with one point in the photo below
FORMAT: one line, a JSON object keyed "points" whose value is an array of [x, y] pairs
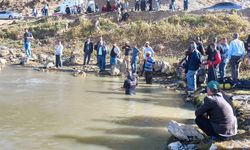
{"points": [[146, 49], [127, 52], [143, 5], [158, 5], [27, 37], [236, 55], [67, 10], [59, 52], [114, 54], [109, 7], [214, 59], [216, 116], [46, 9], [193, 64], [224, 58], [135, 59], [200, 46], [101, 55], [247, 47], [88, 49], [34, 12], [186, 2], [150, 2], [149, 67], [137, 5]]}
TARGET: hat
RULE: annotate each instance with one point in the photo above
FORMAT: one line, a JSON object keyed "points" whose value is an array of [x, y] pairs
{"points": [[148, 53], [213, 85], [147, 42]]}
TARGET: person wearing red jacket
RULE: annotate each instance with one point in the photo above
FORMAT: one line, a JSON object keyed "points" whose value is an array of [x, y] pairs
{"points": [[213, 61]]}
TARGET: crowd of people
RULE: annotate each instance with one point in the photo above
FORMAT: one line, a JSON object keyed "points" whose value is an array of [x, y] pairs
{"points": [[215, 117], [120, 6], [219, 54]]}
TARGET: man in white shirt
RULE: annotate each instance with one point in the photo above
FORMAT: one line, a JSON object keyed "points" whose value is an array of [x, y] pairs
{"points": [[147, 49], [59, 52], [236, 54]]}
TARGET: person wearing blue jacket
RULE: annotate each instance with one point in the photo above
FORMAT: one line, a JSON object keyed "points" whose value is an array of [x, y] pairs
{"points": [[193, 64], [102, 51]]}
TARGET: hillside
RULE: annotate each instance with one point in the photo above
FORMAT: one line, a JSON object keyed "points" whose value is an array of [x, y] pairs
{"points": [[25, 5]]}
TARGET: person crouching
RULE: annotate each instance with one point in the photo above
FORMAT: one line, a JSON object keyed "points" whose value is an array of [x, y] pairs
{"points": [[130, 84], [216, 116], [148, 68]]}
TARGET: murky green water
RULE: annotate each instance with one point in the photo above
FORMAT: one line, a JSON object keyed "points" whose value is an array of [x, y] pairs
{"points": [[56, 111]]}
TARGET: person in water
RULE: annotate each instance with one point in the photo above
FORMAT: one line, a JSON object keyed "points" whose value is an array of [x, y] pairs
{"points": [[130, 84], [216, 116], [149, 67]]}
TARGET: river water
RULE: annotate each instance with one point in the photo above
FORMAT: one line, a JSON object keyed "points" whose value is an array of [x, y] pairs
{"points": [[56, 111]]}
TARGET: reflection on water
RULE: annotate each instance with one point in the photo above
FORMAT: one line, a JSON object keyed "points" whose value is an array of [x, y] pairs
{"points": [[55, 111]]}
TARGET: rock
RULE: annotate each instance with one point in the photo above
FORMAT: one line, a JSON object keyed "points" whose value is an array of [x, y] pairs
{"points": [[20, 55], [79, 73], [24, 61], [213, 147], [115, 71], [176, 146], [179, 146], [34, 56], [42, 58], [2, 61], [49, 65], [4, 53], [166, 68], [3, 48], [184, 132]]}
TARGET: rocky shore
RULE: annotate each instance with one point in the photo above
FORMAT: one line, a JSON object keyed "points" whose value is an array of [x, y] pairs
{"points": [[186, 137]]}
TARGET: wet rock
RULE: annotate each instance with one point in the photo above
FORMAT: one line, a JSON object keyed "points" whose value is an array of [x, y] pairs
{"points": [[79, 73], [24, 61], [184, 132], [176, 146]]}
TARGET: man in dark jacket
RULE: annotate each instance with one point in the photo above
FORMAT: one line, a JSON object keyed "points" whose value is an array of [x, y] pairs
{"points": [[67, 10], [88, 49], [130, 85], [216, 117], [193, 64]]}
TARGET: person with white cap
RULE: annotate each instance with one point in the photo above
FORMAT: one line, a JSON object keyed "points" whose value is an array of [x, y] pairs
{"points": [[148, 67]]}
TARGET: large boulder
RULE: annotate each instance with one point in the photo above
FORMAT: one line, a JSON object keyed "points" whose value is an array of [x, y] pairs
{"points": [[166, 68], [184, 132]]}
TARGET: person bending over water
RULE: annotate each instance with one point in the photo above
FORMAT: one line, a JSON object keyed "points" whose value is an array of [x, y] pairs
{"points": [[216, 116], [130, 84]]}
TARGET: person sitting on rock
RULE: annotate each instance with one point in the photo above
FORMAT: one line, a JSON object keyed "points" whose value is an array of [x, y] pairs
{"points": [[216, 116], [130, 84], [149, 67]]}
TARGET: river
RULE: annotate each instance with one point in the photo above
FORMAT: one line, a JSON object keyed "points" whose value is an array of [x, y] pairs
{"points": [[56, 111]]}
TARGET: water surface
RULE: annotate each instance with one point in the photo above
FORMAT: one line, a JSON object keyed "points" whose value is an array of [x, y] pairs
{"points": [[56, 111]]}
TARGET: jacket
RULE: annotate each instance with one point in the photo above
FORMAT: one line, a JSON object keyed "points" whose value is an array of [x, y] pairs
{"points": [[220, 114], [194, 61], [88, 49]]}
